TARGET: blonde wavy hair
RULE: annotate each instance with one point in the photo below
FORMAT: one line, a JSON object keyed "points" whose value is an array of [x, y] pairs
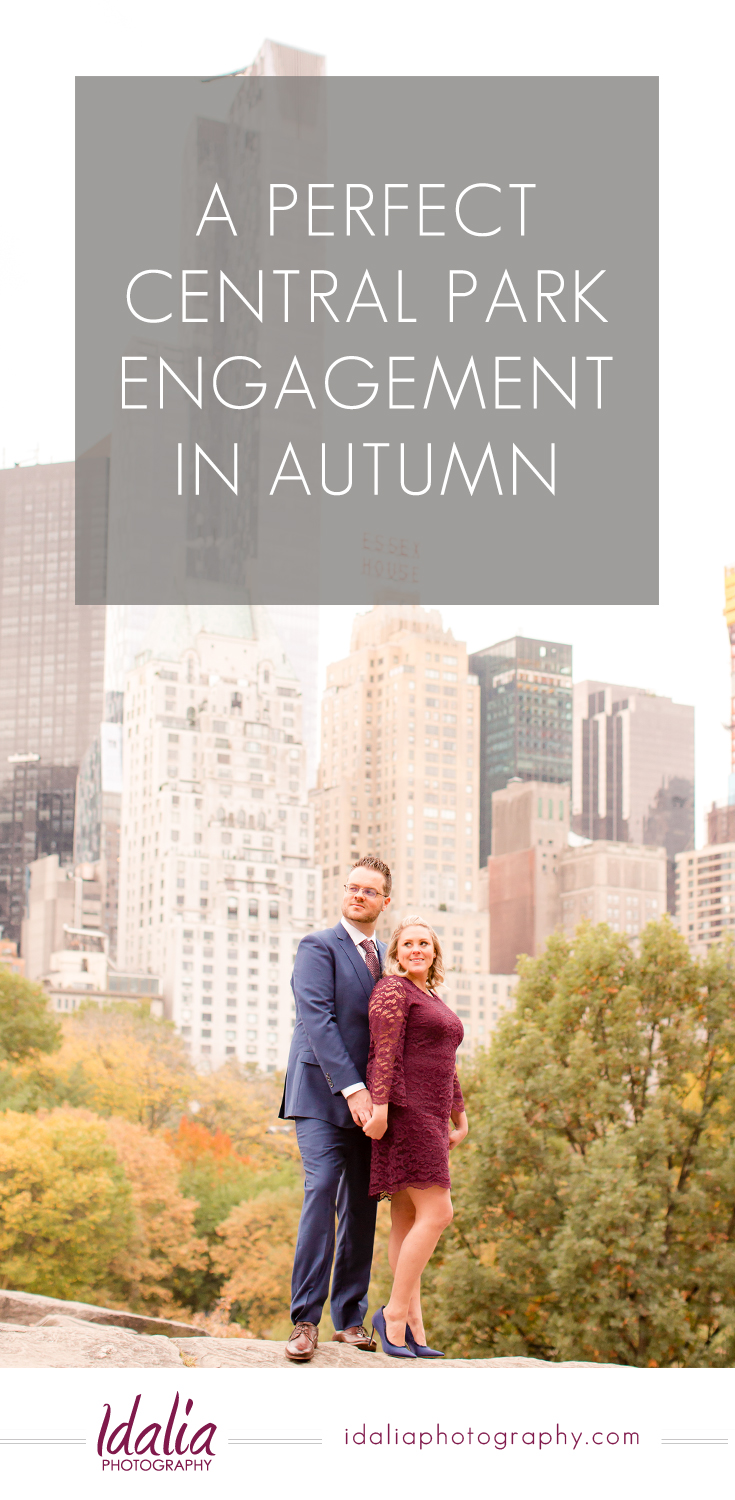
{"points": [[435, 975]]}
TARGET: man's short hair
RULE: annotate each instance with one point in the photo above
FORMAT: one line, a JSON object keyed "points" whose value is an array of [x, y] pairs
{"points": [[371, 862]]}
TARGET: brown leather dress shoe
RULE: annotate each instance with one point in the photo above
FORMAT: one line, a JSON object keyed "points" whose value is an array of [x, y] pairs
{"points": [[357, 1337], [303, 1341]]}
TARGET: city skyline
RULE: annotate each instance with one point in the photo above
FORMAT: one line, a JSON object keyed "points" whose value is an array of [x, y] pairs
{"points": [[665, 650], [631, 644]]}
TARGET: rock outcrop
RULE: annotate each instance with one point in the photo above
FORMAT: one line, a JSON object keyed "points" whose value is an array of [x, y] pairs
{"points": [[219, 1354], [46, 1333], [28, 1309], [61, 1343]]}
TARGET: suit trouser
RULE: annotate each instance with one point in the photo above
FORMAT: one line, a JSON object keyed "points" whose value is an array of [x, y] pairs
{"points": [[336, 1163]]}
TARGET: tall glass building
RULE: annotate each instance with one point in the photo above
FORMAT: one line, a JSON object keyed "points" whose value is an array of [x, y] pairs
{"points": [[51, 676], [525, 717]]}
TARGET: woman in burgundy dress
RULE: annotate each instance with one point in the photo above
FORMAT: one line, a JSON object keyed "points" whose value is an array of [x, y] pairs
{"points": [[415, 1091]]}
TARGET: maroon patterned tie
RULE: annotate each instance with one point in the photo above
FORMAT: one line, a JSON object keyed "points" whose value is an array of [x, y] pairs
{"points": [[371, 956]]}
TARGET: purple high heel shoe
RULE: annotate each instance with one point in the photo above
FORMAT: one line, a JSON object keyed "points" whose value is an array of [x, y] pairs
{"points": [[422, 1351], [398, 1351]]}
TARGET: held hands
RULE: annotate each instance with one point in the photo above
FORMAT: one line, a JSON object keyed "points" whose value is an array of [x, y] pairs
{"points": [[457, 1135], [360, 1105], [378, 1123]]}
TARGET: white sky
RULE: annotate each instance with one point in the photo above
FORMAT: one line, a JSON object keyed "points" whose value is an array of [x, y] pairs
{"points": [[679, 647]]}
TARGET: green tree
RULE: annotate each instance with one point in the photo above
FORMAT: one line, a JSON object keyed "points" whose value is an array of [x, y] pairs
{"points": [[27, 1026], [595, 1204], [65, 1204]]}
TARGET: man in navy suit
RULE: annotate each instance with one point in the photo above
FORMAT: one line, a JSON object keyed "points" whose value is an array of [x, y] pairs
{"points": [[334, 974]]}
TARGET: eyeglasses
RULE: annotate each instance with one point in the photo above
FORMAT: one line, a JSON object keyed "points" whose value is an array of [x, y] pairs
{"points": [[364, 890]]}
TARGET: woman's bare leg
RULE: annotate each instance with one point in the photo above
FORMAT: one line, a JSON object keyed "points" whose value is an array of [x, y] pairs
{"points": [[415, 1317], [402, 1219], [432, 1213]]}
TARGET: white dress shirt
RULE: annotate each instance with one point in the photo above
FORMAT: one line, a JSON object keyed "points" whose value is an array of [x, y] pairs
{"points": [[358, 937]]}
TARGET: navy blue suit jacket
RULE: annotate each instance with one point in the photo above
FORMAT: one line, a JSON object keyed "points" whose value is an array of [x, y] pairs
{"points": [[332, 986]]}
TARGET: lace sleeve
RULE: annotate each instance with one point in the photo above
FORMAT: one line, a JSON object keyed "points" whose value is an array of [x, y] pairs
{"points": [[457, 1099], [389, 1007]]}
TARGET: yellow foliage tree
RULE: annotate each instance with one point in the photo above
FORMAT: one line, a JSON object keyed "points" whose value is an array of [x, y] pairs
{"points": [[245, 1107], [120, 1061], [163, 1240], [256, 1255], [65, 1204]]}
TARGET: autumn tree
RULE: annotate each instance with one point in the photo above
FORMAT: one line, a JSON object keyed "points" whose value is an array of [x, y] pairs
{"points": [[218, 1177], [117, 1060], [163, 1243], [65, 1204], [595, 1200], [256, 1258], [245, 1105]]}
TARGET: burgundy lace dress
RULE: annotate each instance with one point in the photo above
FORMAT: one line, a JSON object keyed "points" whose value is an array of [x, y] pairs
{"points": [[413, 1040]]}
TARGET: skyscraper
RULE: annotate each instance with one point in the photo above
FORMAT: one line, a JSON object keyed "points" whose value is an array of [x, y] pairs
{"points": [[51, 675], [398, 770], [217, 884], [633, 779], [526, 718], [97, 821], [297, 627], [530, 836]]}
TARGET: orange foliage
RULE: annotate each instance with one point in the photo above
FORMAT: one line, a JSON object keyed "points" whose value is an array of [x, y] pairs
{"points": [[193, 1141]]}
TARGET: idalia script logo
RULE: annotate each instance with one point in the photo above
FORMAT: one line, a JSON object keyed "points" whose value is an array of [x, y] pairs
{"points": [[143, 1447]]}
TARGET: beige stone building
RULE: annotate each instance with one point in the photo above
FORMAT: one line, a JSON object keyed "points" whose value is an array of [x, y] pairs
{"points": [[480, 1001], [217, 885], [398, 773], [705, 895], [608, 881], [53, 903], [464, 936]]}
